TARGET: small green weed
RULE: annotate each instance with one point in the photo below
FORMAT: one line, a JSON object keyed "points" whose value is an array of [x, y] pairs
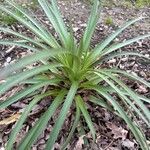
{"points": [[7, 20], [142, 3], [109, 21], [33, 4]]}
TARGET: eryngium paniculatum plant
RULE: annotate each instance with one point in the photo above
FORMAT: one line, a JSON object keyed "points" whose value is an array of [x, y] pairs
{"points": [[68, 70]]}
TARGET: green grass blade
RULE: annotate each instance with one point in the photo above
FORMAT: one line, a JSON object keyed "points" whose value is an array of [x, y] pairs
{"points": [[76, 121], [16, 43], [7, 30], [26, 92], [120, 45], [12, 81], [137, 133], [26, 139], [132, 95], [105, 43], [23, 117], [117, 54], [26, 61], [91, 79], [33, 135], [143, 98], [86, 115], [57, 14], [111, 90], [54, 20], [27, 24], [130, 75], [36, 23], [90, 26], [61, 118], [101, 102]]}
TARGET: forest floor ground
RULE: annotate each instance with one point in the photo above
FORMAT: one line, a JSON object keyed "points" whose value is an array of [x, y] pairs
{"points": [[112, 132]]}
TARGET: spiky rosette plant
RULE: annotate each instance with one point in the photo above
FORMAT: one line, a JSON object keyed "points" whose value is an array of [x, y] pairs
{"points": [[68, 70]]}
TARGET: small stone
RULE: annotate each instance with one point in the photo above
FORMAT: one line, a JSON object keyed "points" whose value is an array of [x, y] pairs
{"points": [[128, 144], [42, 141], [116, 40], [8, 59], [133, 73], [147, 55], [83, 25], [124, 59], [6, 64], [142, 89], [111, 61], [83, 6], [121, 66], [143, 74], [75, 29]]}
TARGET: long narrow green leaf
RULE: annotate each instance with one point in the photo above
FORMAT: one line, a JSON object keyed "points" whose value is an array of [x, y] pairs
{"points": [[62, 116], [86, 115], [25, 140], [26, 92], [63, 29], [120, 45], [137, 133], [12, 81], [36, 23], [133, 95], [40, 55], [75, 123], [130, 75], [55, 20], [33, 135], [105, 43], [23, 117], [110, 56], [143, 98], [7, 30], [101, 102], [90, 26], [59, 18], [27, 24], [111, 90], [16, 43], [92, 79]]}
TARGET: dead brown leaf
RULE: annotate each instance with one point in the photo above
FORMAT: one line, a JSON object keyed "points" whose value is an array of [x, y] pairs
{"points": [[10, 119], [79, 143], [118, 132], [128, 144], [11, 93]]}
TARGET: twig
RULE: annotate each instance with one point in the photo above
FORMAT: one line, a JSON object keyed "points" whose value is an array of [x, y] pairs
{"points": [[109, 145], [10, 49]]}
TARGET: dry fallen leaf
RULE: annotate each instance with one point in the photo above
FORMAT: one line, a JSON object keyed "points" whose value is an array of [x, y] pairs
{"points": [[118, 132], [10, 120], [10, 93], [128, 144], [2, 81], [79, 143]]}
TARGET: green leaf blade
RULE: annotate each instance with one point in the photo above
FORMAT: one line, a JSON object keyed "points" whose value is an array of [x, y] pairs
{"points": [[32, 136], [26, 92], [23, 118], [61, 118], [86, 115]]}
